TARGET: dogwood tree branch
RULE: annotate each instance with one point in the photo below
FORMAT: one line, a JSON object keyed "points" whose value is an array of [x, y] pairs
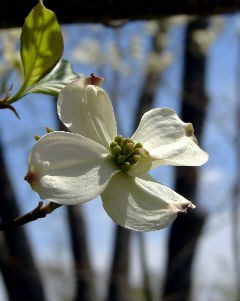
{"points": [[13, 12], [39, 212]]}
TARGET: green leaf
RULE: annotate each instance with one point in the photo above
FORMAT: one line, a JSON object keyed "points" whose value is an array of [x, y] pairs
{"points": [[55, 81], [41, 46], [41, 43]]}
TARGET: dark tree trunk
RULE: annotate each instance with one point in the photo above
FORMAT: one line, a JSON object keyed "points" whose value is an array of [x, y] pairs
{"points": [[85, 290], [152, 77], [17, 265], [118, 289], [186, 229], [236, 188]]}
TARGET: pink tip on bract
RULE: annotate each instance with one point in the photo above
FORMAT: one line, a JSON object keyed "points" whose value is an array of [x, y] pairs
{"points": [[31, 177], [94, 80], [182, 207]]}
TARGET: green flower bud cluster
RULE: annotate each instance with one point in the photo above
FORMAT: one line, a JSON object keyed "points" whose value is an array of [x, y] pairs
{"points": [[125, 152]]}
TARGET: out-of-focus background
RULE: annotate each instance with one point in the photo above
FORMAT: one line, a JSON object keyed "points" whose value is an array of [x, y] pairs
{"points": [[190, 64]]}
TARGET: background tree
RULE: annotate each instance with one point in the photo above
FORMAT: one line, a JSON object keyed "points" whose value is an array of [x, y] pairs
{"points": [[17, 264], [186, 229], [236, 187], [85, 286], [118, 287]]}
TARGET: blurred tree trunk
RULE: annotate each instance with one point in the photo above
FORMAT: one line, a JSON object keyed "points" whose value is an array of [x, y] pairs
{"points": [[17, 265], [236, 208], [118, 288], [236, 187], [153, 73], [186, 229], [85, 290]]}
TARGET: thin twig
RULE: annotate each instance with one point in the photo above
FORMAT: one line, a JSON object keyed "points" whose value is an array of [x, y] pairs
{"points": [[39, 212], [4, 104]]}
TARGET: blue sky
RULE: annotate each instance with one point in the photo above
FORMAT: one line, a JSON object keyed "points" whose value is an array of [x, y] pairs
{"points": [[49, 236]]}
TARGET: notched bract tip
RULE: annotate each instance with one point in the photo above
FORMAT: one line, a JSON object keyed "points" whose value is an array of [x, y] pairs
{"points": [[32, 178], [93, 80], [182, 207]]}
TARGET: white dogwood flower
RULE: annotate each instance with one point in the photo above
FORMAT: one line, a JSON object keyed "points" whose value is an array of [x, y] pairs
{"points": [[92, 159]]}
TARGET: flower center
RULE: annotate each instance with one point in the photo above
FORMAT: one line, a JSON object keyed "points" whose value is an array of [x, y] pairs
{"points": [[126, 153]]}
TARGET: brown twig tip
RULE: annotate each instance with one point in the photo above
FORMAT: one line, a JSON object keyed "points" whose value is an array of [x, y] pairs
{"points": [[5, 105], [39, 212]]}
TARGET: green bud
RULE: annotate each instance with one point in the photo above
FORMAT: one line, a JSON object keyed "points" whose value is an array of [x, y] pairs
{"points": [[137, 151], [134, 159], [118, 139], [113, 144], [116, 151], [48, 130], [125, 166], [121, 159], [127, 140], [128, 148], [37, 137], [138, 145]]}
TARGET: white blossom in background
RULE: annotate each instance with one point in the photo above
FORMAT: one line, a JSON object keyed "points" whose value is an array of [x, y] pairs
{"points": [[158, 62], [135, 48], [202, 39], [89, 51], [92, 159], [10, 54]]}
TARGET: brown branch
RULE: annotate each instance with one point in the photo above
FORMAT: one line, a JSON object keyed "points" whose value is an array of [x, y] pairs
{"points": [[39, 212], [5, 105], [13, 12]]}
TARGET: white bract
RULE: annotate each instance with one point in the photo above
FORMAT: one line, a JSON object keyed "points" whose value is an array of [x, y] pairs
{"points": [[91, 160]]}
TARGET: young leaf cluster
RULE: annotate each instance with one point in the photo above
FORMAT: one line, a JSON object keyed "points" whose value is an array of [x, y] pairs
{"points": [[41, 49]]}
